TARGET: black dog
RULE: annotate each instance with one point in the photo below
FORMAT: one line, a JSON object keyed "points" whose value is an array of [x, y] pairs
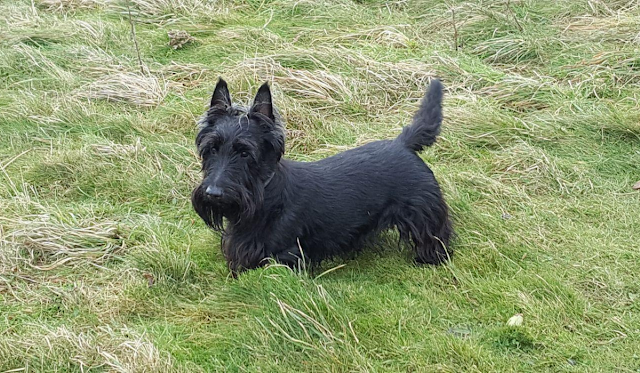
{"points": [[292, 211]]}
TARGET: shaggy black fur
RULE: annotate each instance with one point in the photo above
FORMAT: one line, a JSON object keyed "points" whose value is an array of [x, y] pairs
{"points": [[275, 207]]}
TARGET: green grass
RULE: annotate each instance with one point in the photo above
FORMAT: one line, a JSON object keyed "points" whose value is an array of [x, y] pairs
{"points": [[105, 267]]}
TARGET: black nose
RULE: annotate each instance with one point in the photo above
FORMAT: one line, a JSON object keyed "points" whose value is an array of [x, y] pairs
{"points": [[213, 191]]}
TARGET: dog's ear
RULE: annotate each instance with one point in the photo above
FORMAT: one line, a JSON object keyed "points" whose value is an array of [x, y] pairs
{"points": [[221, 98], [263, 104], [263, 107]]}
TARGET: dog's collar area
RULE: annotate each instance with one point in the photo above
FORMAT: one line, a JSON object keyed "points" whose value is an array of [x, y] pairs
{"points": [[269, 179]]}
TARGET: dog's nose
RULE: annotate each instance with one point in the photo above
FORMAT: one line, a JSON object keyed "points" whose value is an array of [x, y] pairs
{"points": [[213, 191]]}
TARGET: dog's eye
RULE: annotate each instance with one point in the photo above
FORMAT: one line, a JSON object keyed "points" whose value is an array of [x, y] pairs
{"points": [[213, 150], [244, 154]]}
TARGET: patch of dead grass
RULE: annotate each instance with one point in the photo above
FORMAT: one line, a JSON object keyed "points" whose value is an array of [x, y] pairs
{"points": [[123, 151], [117, 349], [73, 5], [512, 49], [167, 12], [521, 93], [391, 36], [619, 28], [145, 90], [45, 242], [611, 68]]}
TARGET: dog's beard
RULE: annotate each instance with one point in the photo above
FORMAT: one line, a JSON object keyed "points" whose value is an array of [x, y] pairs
{"points": [[211, 213], [216, 219], [249, 200]]}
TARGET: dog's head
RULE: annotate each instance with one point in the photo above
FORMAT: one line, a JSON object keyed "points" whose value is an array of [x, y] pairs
{"points": [[240, 148]]}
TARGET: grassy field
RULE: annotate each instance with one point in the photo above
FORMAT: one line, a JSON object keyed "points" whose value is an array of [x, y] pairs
{"points": [[104, 267]]}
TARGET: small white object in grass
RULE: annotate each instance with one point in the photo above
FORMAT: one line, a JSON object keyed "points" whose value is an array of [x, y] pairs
{"points": [[515, 320], [636, 186]]}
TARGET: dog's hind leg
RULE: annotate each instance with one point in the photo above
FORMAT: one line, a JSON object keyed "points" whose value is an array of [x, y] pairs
{"points": [[428, 229]]}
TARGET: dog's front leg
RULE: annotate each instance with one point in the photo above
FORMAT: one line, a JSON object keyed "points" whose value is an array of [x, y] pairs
{"points": [[242, 255], [292, 258]]}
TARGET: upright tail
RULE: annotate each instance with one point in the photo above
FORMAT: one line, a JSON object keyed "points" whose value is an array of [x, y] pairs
{"points": [[426, 121]]}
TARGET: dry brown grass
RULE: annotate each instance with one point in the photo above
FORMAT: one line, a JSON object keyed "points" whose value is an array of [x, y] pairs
{"points": [[308, 86], [521, 93], [245, 34], [145, 90], [45, 242], [618, 67], [182, 75], [116, 349], [315, 86], [123, 151], [72, 5], [304, 97], [112, 80], [618, 28], [167, 12], [510, 49], [391, 36]]}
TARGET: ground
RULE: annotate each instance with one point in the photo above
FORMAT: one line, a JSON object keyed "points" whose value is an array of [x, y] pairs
{"points": [[105, 267]]}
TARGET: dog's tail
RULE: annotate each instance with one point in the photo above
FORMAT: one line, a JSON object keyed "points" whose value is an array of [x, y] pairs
{"points": [[426, 121]]}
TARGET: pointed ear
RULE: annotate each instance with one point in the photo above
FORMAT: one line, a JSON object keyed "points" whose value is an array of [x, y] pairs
{"points": [[263, 104], [221, 98]]}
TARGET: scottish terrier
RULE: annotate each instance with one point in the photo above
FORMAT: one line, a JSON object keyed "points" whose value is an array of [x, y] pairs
{"points": [[267, 207]]}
